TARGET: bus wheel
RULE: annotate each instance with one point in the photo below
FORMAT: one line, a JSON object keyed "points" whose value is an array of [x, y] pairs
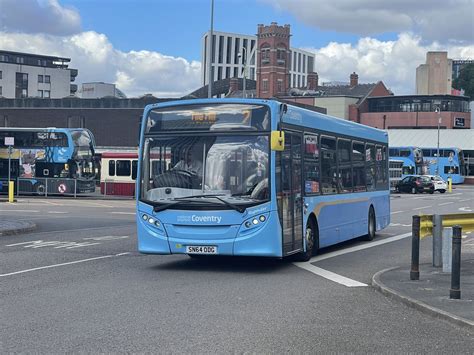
{"points": [[370, 225], [40, 189], [311, 240]]}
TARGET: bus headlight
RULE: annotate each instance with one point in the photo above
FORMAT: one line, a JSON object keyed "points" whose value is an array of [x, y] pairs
{"points": [[255, 221], [153, 221]]}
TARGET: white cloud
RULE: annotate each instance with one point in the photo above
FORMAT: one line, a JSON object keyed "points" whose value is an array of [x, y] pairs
{"points": [[134, 72], [433, 20], [393, 62], [38, 16]]}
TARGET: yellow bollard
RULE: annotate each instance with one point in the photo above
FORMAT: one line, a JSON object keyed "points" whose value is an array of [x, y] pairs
{"points": [[11, 190], [450, 185]]}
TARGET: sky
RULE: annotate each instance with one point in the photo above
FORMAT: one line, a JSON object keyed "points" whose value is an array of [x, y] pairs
{"points": [[154, 46]]}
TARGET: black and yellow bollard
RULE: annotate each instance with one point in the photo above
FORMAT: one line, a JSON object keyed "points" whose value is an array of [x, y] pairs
{"points": [[455, 291], [415, 249]]}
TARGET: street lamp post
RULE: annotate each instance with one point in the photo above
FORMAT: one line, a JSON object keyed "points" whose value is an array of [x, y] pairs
{"points": [[244, 63], [437, 110], [210, 53]]}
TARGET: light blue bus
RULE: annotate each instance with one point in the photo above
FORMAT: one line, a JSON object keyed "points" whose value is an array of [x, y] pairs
{"points": [[412, 158], [256, 178], [450, 163]]}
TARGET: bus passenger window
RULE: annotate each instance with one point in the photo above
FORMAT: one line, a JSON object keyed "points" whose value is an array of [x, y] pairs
{"points": [[112, 168], [123, 167], [134, 169], [329, 179], [311, 164]]}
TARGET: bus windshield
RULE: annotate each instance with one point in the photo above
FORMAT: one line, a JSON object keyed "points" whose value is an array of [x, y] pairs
{"points": [[232, 167]]}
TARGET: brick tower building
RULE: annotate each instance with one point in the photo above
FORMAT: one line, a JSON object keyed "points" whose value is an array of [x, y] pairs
{"points": [[273, 55]]}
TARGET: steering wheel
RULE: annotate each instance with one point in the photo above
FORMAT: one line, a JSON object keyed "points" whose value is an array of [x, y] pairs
{"points": [[184, 172]]}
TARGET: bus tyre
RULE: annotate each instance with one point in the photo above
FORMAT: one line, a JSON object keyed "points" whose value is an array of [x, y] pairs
{"points": [[370, 225], [40, 189], [311, 241]]}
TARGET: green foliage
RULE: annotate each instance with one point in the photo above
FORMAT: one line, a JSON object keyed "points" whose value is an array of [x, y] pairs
{"points": [[465, 80]]}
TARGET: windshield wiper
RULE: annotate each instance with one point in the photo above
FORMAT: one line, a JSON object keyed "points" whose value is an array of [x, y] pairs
{"points": [[216, 196]]}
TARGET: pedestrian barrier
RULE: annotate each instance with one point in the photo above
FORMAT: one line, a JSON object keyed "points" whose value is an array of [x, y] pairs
{"points": [[465, 220]]}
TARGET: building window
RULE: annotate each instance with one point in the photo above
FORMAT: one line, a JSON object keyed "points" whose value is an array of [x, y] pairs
{"points": [[229, 50], [236, 50], [47, 94], [265, 84], [1, 74], [47, 79], [281, 54], [40, 93], [20, 60], [280, 85], [221, 50], [1, 93], [40, 78], [265, 54], [235, 73]]}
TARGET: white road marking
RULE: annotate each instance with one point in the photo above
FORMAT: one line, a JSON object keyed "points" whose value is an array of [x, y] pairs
{"points": [[52, 203], [95, 204], [465, 209], [57, 212], [406, 225], [395, 212], [32, 211], [465, 200], [420, 208], [62, 264], [122, 212], [342, 280], [330, 275], [56, 244], [446, 203], [359, 247], [394, 224], [108, 237]]}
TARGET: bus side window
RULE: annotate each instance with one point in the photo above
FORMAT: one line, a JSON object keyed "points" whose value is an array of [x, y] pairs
{"points": [[123, 167], [134, 169], [111, 167]]}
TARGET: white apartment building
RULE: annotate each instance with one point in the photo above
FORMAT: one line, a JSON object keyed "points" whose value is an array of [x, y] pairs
{"points": [[231, 51], [30, 75]]}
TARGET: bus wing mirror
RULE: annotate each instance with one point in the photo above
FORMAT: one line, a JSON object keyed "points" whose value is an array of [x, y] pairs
{"points": [[278, 140]]}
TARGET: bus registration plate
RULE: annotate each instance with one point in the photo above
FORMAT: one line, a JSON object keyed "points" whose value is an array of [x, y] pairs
{"points": [[201, 249]]}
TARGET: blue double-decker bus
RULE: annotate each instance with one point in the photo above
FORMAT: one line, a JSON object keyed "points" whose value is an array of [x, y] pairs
{"points": [[49, 160], [256, 178], [411, 157], [449, 164]]}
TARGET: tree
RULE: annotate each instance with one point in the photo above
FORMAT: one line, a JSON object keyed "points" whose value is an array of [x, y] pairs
{"points": [[465, 80]]}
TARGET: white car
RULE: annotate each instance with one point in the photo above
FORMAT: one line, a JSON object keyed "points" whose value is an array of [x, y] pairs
{"points": [[439, 184]]}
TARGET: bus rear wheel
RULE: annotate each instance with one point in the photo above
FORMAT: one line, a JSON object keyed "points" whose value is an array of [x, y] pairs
{"points": [[370, 225], [311, 241]]}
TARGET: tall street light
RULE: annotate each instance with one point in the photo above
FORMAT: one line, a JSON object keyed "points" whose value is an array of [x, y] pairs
{"points": [[243, 55], [438, 111], [209, 51]]}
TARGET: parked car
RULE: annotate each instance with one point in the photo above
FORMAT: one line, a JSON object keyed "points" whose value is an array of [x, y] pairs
{"points": [[415, 184], [439, 184]]}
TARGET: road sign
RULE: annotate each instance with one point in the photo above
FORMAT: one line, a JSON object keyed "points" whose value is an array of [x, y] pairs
{"points": [[62, 188], [9, 141]]}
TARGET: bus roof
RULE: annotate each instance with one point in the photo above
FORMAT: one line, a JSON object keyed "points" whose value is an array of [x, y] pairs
{"points": [[295, 115]]}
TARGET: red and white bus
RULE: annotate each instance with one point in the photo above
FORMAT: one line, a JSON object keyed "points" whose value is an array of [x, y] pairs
{"points": [[118, 173]]}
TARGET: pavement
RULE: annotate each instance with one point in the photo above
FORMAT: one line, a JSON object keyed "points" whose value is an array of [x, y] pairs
{"points": [[430, 294], [12, 225]]}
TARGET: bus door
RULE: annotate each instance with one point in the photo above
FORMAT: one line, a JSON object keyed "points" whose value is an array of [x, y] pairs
{"points": [[290, 194]]}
